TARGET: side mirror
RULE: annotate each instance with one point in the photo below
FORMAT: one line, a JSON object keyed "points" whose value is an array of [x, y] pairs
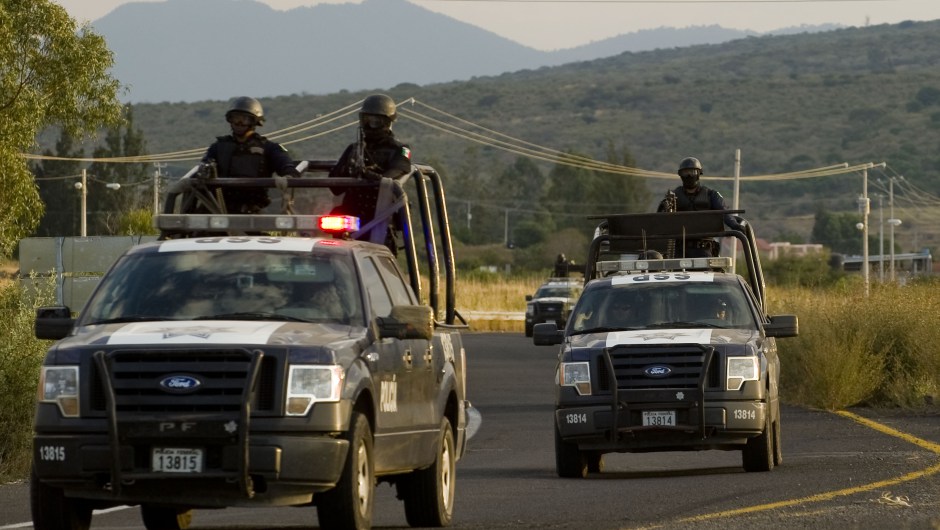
{"points": [[406, 322], [528, 298], [53, 322], [782, 326], [547, 334]]}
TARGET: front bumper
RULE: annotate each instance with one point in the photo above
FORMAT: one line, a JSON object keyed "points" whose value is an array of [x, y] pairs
{"points": [[726, 425], [281, 469]]}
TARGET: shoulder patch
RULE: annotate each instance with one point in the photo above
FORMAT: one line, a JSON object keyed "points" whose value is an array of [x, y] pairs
{"points": [[406, 152]]}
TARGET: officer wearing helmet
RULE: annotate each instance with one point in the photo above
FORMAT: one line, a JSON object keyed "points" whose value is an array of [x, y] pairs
{"points": [[692, 195], [246, 154], [376, 155]]}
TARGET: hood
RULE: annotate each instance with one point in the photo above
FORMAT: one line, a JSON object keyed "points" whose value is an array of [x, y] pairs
{"points": [[551, 299], [714, 337], [207, 332]]}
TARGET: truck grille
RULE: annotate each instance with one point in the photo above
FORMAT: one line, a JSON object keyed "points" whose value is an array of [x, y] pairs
{"points": [[223, 374], [685, 362], [549, 309]]}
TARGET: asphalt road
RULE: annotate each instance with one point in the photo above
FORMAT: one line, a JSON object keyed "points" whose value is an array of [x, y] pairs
{"points": [[860, 469]]}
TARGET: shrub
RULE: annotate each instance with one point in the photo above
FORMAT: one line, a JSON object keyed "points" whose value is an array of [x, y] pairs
{"points": [[21, 356], [854, 350]]}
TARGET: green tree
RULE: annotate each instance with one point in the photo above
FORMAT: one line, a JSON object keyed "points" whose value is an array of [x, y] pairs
{"points": [[51, 73], [837, 231]]}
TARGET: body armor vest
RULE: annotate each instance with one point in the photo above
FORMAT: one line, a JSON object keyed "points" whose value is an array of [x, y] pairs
{"points": [[242, 159], [690, 202]]}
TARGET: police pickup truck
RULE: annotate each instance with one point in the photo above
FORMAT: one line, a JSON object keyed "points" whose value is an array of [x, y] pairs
{"points": [[666, 352], [223, 369]]}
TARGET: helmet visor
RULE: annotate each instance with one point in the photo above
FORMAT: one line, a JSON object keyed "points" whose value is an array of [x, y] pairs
{"points": [[374, 121], [241, 119]]}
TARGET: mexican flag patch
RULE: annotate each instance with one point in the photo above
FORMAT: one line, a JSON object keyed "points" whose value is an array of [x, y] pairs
{"points": [[406, 152]]}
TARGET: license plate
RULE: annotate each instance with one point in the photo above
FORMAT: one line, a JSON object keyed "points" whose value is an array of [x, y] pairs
{"points": [[659, 418], [176, 460]]}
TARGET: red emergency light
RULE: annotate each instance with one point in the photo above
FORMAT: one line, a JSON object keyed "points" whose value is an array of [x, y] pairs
{"points": [[338, 224]]}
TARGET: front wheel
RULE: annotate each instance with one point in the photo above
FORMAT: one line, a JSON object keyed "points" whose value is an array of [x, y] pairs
{"points": [[52, 510], [349, 504], [570, 462], [758, 454], [429, 493], [158, 517]]}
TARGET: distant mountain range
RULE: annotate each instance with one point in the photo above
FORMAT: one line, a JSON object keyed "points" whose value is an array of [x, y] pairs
{"points": [[186, 51]]}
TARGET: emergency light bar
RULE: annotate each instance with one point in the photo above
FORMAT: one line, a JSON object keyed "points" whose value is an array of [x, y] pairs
{"points": [[661, 265], [255, 223]]}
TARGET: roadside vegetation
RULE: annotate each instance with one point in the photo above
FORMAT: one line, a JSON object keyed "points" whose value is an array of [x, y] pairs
{"points": [[21, 356]]}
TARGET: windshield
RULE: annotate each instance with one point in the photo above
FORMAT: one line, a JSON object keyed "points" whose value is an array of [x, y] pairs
{"points": [[227, 285], [556, 292], [663, 305]]}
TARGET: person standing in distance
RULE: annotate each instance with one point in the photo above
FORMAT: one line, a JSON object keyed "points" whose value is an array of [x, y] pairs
{"points": [[692, 195], [376, 154], [246, 154]]}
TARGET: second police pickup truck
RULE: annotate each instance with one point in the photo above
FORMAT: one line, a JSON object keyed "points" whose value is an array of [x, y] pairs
{"points": [[215, 368], [665, 352]]}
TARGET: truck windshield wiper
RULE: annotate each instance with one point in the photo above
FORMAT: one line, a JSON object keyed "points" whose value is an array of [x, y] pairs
{"points": [[603, 329], [682, 324], [258, 315], [131, 318]]}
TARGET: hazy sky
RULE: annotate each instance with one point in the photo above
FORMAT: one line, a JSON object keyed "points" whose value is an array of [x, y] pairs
{"points": [[554, 24]]}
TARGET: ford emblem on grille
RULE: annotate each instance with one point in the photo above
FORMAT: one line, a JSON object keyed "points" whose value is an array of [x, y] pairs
{"points": [[180, 384], [657, 370]]}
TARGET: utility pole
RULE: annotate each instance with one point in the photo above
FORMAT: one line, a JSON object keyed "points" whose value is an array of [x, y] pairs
{"points": [[881, 238], [865, 209], [156, 186], [893, 222], [84, 188]]}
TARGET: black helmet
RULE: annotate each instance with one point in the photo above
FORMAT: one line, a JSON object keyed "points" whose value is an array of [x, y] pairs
{"points": [[690, 163], [379, 104], [249, 106], [690, 178]]}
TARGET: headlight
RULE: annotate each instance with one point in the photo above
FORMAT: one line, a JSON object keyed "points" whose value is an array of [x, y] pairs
{"points": [[529, 309], [577, 375], [741, 369], [308, 384], [59, 385]]}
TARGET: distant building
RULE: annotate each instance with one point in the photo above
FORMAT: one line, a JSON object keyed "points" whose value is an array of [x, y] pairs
{"points": [[780, 249]]}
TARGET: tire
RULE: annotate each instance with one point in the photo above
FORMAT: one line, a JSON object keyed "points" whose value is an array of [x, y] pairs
{"points": [[52, 510], [758, 454], [429, 493], [570, 462], [158, 517], [349, 505], [595, 462], [528, 330]]}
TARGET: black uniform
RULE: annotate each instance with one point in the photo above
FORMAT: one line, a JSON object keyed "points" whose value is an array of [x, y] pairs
{"points": [[382, 157], [703, 198], [256, 157]]}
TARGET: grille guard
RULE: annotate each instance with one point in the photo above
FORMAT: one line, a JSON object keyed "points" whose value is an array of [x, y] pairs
{"points": [[697, 397]]}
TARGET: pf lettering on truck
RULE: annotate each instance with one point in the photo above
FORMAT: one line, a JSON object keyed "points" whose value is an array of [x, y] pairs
{"points": [[257, 360]]}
